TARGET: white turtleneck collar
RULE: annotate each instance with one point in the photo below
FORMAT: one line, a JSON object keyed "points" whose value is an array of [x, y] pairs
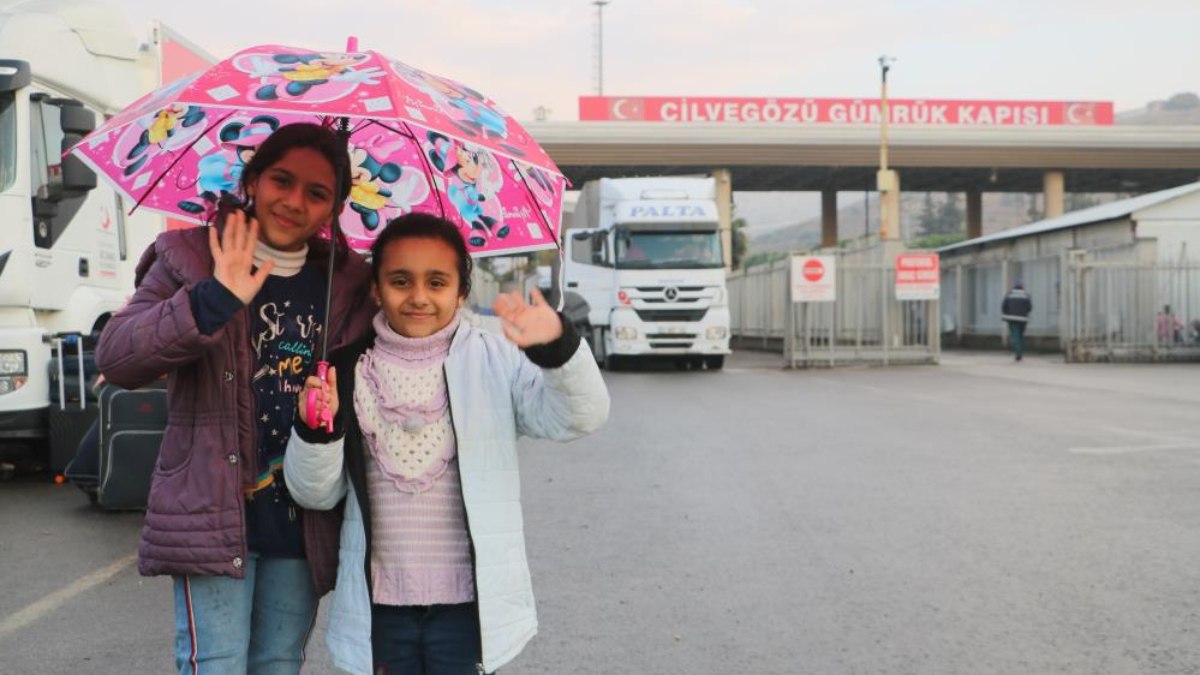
{"points": [[287, 263]]}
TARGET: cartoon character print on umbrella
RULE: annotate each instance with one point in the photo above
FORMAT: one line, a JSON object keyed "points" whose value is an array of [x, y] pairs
{"points": [[314, 77], [369, 185], [220, 172], [166, 130], [473, 180], [382, 187], [540, 183], [467, 109]]}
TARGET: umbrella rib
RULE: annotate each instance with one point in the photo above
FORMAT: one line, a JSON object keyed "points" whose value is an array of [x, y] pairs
{"points": [[428, 168], [533, 198], [178, 157], [408, 133]]}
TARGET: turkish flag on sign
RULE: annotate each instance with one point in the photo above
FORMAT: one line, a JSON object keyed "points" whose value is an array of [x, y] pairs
{"points": [[627, 109]]}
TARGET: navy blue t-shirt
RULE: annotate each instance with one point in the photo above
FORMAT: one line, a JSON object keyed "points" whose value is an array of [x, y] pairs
{"points": [[285, 331]]}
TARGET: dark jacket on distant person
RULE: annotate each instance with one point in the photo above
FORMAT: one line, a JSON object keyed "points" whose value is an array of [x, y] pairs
{"points": [[1017, 305]]}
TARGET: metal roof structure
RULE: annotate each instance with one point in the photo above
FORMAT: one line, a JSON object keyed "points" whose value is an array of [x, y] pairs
{"points": [[1120, 158], [1096, 214]]}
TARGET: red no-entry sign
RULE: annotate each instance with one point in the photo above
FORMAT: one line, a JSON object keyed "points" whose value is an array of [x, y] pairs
{"points": [[814, 269], [813, 278]]}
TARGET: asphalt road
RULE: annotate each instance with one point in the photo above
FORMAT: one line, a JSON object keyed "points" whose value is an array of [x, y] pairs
{"points": [[981, 516]]}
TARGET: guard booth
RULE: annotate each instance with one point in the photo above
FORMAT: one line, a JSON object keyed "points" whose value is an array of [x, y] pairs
{"points": [[874, 305]]}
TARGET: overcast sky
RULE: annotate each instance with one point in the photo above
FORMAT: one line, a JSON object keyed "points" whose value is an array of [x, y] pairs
{"points": [[526, 53]]}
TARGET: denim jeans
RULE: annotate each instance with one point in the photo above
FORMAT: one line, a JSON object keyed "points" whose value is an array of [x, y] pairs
{"points": [[253, 626], [1016, 337], [432, 640]]}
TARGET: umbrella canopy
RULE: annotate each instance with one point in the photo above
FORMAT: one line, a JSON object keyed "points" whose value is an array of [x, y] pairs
{"points": [[417, 142]]}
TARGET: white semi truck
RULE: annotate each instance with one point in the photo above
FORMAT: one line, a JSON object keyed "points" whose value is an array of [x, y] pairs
{"points": [[644, 271], [68, 245]]}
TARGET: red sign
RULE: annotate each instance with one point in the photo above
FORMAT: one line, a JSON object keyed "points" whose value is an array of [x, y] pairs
{"points": [[813, 278], [814, 269], [918, 276], [845, 111]]}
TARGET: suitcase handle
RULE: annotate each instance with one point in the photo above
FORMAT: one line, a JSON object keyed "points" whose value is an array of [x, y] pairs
{"points": [[60, 341]]}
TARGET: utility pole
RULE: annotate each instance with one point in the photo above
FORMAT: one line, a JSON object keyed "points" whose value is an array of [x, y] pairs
{"points": [[600, 45], [887, 181]]}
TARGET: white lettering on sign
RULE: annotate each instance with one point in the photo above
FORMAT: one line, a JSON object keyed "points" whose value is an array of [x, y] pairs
{"points": [[667, 211]]}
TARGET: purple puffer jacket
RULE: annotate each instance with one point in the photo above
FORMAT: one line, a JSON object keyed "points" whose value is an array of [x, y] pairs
{"points": [[195, 522]]}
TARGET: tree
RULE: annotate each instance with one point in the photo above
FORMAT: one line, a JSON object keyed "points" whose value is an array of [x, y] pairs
{"points": [[927, 222], [950, 218], [741, 243], [938, 220]]}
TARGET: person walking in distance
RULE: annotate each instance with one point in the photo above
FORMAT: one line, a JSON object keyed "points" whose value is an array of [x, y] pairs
{"points": [[1015, 311]]}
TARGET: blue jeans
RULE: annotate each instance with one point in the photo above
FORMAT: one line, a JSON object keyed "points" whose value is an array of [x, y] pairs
{"points": [[256, 626], [432, 640], [1016, 337]]}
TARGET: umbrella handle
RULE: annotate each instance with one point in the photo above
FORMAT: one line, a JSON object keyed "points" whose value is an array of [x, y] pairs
{"points": [[325, 415]]}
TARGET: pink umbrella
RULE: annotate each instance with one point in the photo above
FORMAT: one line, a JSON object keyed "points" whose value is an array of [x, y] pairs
{"points": [[417, 141]]}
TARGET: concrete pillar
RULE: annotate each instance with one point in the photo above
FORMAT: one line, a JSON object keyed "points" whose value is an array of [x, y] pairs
{"points": [[974, 214], [829, 219], [1053, 193], [889, 204], [724, 180]]}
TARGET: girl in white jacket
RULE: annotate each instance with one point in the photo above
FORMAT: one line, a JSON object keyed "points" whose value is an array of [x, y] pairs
{"points": [[432, 576]]}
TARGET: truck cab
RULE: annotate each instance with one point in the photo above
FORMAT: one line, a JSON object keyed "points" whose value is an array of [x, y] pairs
{"points": [[651, 274], [67, 248]]}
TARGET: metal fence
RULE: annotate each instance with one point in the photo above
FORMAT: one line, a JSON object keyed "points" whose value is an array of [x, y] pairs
{"points": [[865, 324], [1127, 311]]}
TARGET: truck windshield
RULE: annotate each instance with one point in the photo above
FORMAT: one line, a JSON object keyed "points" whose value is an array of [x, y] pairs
{"points": [[668, 250], [8, 139]]}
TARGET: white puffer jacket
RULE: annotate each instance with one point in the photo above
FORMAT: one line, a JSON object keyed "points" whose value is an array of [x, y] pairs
{"points": [[496, 395]]}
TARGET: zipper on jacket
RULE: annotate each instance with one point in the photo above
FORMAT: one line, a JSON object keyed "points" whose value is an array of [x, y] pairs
{"points": [[467, 520]]}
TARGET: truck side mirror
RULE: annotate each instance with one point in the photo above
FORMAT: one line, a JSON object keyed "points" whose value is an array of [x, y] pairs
{"points": [[74, 118], [76, 121], [77, 177]]}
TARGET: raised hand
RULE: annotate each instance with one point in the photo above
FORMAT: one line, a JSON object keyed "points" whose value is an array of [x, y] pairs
{"points": [[527, 325], [233, 257], [326, 393]]}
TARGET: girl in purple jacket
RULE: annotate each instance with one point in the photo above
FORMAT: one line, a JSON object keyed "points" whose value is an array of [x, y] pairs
{"points": [[233, 314]]}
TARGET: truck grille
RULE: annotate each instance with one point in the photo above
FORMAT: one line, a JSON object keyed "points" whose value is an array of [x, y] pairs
{"points": [[650, 315], [660, 289]]}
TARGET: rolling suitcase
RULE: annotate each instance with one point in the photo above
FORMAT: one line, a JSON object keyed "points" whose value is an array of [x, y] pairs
{"points": [[71, 413], [131, 429]]}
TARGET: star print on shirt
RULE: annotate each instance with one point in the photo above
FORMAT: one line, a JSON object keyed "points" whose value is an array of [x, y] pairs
{"points": [[267, 418]]}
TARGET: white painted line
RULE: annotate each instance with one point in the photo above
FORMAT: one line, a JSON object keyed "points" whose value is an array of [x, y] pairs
{"points": [[1165, 438], [1128, 449], [62, 596]]}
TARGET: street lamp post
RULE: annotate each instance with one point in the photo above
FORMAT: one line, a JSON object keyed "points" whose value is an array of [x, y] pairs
{"points": [[887, 181], [600, 45]]}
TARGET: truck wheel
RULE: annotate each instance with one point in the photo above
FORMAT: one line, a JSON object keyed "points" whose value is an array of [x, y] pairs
{"points": [[715, 362], [612, 363]]}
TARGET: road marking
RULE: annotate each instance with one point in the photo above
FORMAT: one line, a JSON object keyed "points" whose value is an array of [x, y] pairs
{"points": [[62, 596], [1165, 438], [1128, 449]]}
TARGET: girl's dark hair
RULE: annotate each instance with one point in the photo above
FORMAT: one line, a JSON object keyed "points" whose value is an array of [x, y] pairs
{"points": [[320, 139], [425, 226]]}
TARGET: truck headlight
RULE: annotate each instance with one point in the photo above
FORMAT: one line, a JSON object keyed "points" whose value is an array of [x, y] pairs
{"points": [[13, 363], [716, 333], [626, 333], [11, 383]]}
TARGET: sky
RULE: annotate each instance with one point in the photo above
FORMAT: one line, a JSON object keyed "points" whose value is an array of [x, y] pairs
{"points": [[530, 53]]}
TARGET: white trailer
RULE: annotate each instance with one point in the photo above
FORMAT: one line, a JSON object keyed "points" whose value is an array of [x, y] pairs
{"points": [[644, 270], [68, 246]]}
